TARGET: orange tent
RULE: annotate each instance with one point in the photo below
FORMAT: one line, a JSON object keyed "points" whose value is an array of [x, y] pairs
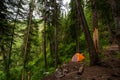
{"points": [[78, 57]]}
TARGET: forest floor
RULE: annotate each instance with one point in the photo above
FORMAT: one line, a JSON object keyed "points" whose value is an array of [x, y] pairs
{"points": [[109, 68]]}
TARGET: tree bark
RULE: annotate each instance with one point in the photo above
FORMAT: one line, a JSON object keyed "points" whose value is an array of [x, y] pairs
{"points": [[44, 34], [78, 34], [116, 14], [77, 38], [111, 35], [56, 47], [56, 35], [92, 52], [29, 76], [95, 26], [26, 40]]}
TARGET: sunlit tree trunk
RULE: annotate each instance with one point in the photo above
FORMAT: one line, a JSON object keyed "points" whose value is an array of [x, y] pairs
{"points": [[95, 25], [92, 52], [29, 76]]}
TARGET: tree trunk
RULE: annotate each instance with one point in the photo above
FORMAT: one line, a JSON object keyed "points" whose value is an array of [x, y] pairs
{"points": [[44, 34], [115, 5], [56, 35], [52, 48], [77, 38], [26, 40], [95, 26], [56, 48], [92, 52], [111, 35], [78, 33], [29, 76]]}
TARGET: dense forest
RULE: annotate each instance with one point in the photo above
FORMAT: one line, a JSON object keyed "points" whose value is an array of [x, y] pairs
{"points": [[37, 36]]}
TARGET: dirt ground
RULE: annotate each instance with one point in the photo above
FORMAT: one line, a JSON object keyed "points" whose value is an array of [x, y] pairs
{"points": [[109, 69]]}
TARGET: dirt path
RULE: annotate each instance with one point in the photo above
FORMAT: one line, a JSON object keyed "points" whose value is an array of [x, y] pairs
{"points": [[109, 69]]}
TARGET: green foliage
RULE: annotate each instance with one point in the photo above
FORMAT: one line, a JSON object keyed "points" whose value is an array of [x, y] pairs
{"points": [[118, 55], [88, 14], [87, 58], [2, 75], [101, 56], [66, 51], [39, 73], [104, 39], [16, 73], [83, 45]]}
